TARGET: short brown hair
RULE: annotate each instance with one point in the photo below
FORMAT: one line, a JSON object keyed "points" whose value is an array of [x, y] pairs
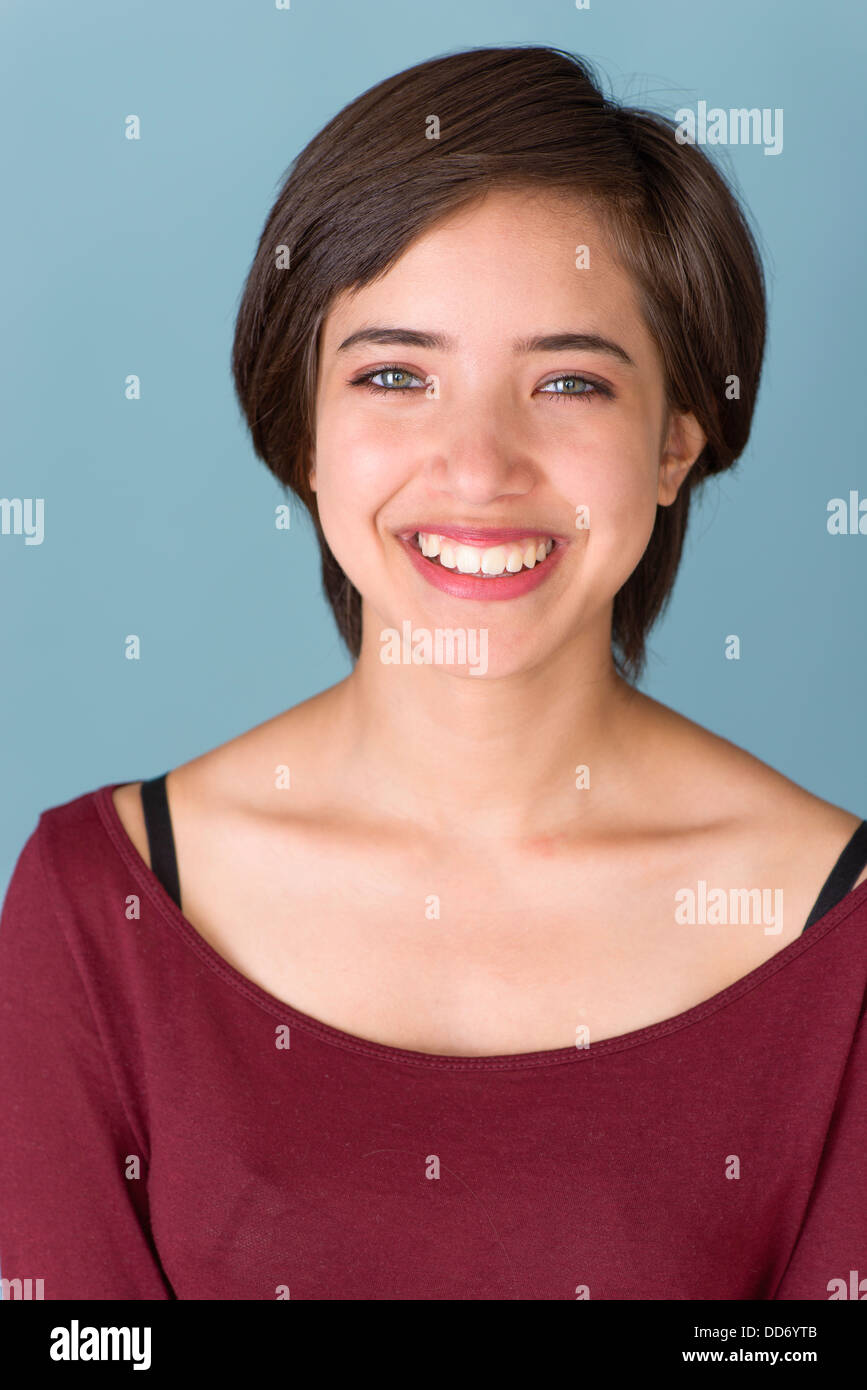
{"points": [[370, 182]]}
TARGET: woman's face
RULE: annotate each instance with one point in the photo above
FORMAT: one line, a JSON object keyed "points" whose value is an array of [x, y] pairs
{"points": [[491, 445]]}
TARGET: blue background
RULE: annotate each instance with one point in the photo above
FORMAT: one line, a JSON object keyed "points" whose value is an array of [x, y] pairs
{"points": [[126, 257]]}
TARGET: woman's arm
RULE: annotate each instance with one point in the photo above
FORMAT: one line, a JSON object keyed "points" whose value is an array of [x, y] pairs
{"points": [[69, 1214]]}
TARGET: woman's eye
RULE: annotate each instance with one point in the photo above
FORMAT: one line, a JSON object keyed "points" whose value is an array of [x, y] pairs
{"points": [[573, 388], [396, 379]]}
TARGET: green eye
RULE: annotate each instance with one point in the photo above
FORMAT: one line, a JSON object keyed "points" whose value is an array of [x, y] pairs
{"points": [[562, 388], [392, 378], [565, 386], [392, 386]]}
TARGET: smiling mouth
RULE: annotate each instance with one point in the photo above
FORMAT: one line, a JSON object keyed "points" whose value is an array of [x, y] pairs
{"points": [[485, 562]]}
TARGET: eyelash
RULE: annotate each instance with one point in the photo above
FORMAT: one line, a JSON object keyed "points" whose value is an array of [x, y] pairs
{"points": [[598, 388]]}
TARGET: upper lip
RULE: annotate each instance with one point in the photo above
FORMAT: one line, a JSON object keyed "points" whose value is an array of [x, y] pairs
{"points": [[477, 535]]}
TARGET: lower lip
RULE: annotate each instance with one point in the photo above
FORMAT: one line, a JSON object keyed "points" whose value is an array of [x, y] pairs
{"points": [[473, 586]]}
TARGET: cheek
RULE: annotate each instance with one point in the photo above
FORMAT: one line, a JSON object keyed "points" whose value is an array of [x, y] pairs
{"points": [[615, 479], [359, 458], [613, 472], [357, 471]]}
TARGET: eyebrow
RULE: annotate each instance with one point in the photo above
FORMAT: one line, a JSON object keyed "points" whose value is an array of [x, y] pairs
{"points": [[548, 342]]}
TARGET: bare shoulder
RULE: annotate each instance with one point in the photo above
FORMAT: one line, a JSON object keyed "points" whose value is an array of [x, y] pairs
{"points": [[298, 748], [127, 803], [239, 782], [711, 775]]}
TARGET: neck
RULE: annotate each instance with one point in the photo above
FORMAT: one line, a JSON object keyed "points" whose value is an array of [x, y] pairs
{"points": [[493, 756]]}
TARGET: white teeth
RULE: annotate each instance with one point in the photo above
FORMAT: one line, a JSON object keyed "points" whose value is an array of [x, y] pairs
{"points": [[495, 560], [468, 560], [447, 555]]}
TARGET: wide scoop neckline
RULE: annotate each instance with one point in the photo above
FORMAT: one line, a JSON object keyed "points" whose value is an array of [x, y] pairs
{"points": [[327, 1032]]}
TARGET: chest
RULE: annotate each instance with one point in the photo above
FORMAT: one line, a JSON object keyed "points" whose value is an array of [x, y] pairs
{"points": [[444, 954], [330, 1175]]}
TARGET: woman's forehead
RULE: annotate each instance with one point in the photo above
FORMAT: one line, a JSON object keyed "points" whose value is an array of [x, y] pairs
{"points": [[524, 259]]}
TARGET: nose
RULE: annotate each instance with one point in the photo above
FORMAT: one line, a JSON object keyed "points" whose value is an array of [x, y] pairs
{"points": [[478, 455]]}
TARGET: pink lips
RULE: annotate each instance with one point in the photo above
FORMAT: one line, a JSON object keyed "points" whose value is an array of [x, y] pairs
{"points": [[473, 586]]}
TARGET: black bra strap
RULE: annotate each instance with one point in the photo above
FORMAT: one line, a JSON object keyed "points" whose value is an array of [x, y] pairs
{"points": [[158, 823], [843, 874]]}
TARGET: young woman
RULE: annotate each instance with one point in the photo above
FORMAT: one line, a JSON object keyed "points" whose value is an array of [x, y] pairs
{"points": [[480, 975]]}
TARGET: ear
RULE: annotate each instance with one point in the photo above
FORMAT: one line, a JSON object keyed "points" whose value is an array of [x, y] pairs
{"points": [[311, 474], [684, 441]]}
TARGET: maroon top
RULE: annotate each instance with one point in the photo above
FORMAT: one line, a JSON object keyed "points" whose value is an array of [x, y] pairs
{"points": [[170, 1130]]}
